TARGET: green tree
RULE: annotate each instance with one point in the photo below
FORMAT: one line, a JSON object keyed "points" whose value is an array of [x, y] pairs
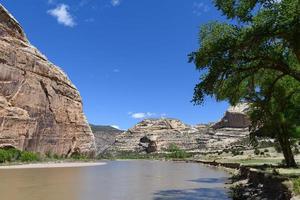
{"points": [[255, 58]]}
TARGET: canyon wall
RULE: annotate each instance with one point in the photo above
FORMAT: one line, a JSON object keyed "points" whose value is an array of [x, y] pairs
{"points": [[40, 109]]}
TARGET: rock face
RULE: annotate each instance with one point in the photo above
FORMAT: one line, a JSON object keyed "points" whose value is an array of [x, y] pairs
{"points": [[234, 117], [152, 135], [105, 136], [40, 109], [156, 135]]}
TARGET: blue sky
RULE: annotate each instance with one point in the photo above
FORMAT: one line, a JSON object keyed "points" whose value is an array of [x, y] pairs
{"points": [[128, 58]]}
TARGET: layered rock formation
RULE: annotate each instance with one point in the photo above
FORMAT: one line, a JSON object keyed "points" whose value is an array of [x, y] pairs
{"points": [[40, 109], [156, 135]]}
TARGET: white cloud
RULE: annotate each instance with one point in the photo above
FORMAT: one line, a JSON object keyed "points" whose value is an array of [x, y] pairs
{"points": [[62, 15], [115, 2], [199, 8], [115, 126], [142, 115], [138, 115]]}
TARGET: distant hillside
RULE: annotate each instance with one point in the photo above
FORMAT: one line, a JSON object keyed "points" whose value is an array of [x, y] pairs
{"points": [[105, 136], [104, 129]]}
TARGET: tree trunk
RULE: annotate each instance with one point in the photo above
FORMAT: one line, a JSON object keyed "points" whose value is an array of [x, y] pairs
{"points": [[287, 150]]}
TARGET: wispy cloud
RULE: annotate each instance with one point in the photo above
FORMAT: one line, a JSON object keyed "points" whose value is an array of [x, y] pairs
{"points": [[115, 2], [62, 15], [143, 115], [199, 8], [116, 70]]}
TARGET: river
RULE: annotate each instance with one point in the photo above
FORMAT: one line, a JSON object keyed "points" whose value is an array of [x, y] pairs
{"points": [[117, 180]]}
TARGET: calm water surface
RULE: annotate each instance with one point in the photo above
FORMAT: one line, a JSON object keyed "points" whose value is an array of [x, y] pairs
{"points": [[118, 180]]}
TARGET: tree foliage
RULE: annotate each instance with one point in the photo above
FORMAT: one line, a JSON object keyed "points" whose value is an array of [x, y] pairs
{"points": [[255, 58]]}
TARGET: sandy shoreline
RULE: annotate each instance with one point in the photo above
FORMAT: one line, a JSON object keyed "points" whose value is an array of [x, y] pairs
{"points": [[52, 165]]}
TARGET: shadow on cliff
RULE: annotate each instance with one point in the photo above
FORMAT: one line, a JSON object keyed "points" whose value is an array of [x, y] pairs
{"points": [[193, 194]]}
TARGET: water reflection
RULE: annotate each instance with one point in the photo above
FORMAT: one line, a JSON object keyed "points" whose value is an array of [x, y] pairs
{"points": [[118, 180], [194, 194]]}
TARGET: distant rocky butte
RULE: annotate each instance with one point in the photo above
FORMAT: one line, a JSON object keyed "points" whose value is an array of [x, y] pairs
{"points": [[156, 135], [234, 117], [40, 109]]}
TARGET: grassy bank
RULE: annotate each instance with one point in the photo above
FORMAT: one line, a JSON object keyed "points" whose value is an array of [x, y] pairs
{"points": [[258, 177], [13, 156]]}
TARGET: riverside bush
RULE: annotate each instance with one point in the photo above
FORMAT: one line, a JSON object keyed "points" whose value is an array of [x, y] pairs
{"points": [[3, 156], [29, 156], [52, 155], [176, 152], [296, 185], [78, 156], [12, 155], [8, 155]]}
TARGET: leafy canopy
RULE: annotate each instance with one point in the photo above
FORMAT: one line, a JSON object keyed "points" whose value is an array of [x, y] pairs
{"points": [[259, 48]]}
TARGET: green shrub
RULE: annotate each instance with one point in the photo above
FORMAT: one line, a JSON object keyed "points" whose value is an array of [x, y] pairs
{"points": [[266, 150], [105, 155], [296, 150], [8, 155], [256, 152], [52, 155], [4, 156], [173, 148], [49, 154], [176, 152], [29, 156], [78, 156], [57, 157], [226, 151], [296, 185], [236, 152], [277, 147]]}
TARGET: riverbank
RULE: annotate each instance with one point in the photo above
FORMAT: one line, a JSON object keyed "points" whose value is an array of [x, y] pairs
{"points": [[52, 165], [260, 181], [251, 178]]}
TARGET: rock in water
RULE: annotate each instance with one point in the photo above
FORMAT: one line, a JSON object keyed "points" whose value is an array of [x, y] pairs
{"points": [[40, 109]]}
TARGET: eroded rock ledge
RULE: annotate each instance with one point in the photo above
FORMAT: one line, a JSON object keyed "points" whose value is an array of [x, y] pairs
{"points": [[40, 109], [156, 135]]}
